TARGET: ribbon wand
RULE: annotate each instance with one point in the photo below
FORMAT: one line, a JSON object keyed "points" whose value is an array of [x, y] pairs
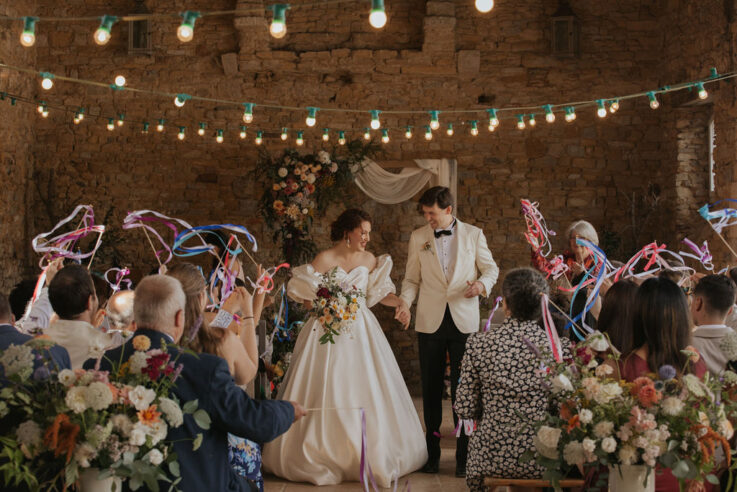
{"points": [[156, 254]]}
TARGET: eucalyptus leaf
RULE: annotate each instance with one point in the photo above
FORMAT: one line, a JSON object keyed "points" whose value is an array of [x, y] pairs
{"points": [[190, 406], [681, 469], [197, 442], [174, 468], [712, 479], [202, 419]]}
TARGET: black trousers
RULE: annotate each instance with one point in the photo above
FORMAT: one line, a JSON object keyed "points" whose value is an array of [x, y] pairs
{"points": [[433, 349]]}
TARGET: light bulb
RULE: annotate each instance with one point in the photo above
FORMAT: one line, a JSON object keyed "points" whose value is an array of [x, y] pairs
{"points": [[408, 132], [110, 124], [484, 6], [385, 136], [284, 133], [201, 129], [219, 138], [570, 114], [45, 113], [47, 83], [179, 101], [367, 134], [311, 117], [325, 135], [185, 31], [520, 122], [28, 36], [102, 34], [377, 17], [614, 106], [375, 123], [243, 133], [160, 126], [144, 130], [654, 104], [601, 111], [40, 107], [259, 138], [434, 121], [180, 136], [702, 92], [428, 132], [341, 138], [121, 118], [76, 118], [450, 131], [248, 112], [300, 140], [27, 39], [474, 128], [278, 27], [120, 81], [493, 120], [549, 115], [532, 121]]}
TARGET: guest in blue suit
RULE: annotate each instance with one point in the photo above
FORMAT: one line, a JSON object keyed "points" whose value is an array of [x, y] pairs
{"points": [[158, 308], [9, 335]]}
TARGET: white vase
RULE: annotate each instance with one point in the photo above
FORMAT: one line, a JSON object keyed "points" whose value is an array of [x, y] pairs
{"points": [[89, 481], [631, 478]]}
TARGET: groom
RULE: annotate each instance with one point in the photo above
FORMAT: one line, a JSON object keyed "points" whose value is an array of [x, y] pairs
{"points": [[449, 265]]}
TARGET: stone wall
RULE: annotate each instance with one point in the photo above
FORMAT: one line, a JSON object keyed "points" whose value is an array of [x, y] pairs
{"points": [[618, 172]]}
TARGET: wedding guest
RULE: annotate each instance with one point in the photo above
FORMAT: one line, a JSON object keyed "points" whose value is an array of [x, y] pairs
{"points": [[580, 259], [41, 312], [615, 318], [240, 351], [732, 316], [499, 386], [21, 295], [74, 300], [159, 311], [119, 311], [713, 298]]}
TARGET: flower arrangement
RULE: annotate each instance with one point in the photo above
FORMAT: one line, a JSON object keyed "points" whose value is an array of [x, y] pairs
{"points": [[56, 423], [335, 307], [299, 188], [597, 419]]}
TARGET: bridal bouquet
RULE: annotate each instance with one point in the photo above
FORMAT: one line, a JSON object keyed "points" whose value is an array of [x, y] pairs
{"points": [[57, 424], [335, 307], [597, 419]]}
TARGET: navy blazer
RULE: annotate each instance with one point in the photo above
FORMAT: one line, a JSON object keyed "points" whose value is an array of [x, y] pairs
{"points": [[207, 379], [9, 335]]}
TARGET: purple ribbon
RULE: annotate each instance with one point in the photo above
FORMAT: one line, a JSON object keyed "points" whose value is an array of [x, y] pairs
{"points": [[496, 305], [364, 458], [702, 254]]}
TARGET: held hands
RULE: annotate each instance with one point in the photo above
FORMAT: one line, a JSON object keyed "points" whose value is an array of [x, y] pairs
{"points": [[402, 314], [474, 289], [299, 410], [239, 301]]}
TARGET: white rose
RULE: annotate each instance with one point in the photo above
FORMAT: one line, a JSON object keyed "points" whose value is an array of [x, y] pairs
{"points": [[137, 362], [141, 397], [588, 445], [726, 429], [155, 457], [585, 416], [603, 429], [67, 377], [283, 172], [609, 444], [311, 178], [573, 453], [97, 348], [98, 396], [561, 383], [323, 157], [603, 371], [592, 363], [607, 393], [305, 211], [138, 435], [597, 342], [157, 431], [75, 399]]}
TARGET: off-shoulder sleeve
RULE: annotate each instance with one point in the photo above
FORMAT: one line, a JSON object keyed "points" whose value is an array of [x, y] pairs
{"points": [[303, 284], [380, 283]]}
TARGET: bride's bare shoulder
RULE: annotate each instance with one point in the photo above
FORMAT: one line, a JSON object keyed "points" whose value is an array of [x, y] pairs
{"points": [[369, 260], [324, 260]]}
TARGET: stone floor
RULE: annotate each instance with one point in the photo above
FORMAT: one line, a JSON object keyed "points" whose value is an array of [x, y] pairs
{"points": [[419, 482]]}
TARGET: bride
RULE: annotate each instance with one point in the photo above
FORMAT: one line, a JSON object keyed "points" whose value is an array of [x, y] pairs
{"points": [[358, 371]]}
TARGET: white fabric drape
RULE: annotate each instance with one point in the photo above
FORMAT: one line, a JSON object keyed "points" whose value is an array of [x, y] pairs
{"points": [[389, 188]]}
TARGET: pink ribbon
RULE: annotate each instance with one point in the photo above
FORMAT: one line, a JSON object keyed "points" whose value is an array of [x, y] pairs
{"points": [[62, 245], [702, 254], [497, 302], [142, 218], [537, 231], [120, 274], [550, 330]]}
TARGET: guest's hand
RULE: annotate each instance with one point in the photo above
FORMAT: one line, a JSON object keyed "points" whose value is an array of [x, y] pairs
{"points": [[234, 301], [474, 289], [299, 410], [54, 267], [98, 318]]}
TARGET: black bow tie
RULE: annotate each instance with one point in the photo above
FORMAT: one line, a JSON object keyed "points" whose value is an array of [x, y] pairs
{"points": [[443, 232]]}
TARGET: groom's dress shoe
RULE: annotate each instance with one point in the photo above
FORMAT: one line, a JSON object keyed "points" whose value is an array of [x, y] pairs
{"points": [[460, 470], [430, 467]]}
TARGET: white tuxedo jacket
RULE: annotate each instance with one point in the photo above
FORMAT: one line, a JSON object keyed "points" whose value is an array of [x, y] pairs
{"points": [[424, 275]]}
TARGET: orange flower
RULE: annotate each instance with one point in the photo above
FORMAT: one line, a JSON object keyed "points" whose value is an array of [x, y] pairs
{"points": [[61, 436], [648, 396], [149, 416], [278, 205], [141, 343], [566, 411], [639, 383], [573, 422], [695, 355]]}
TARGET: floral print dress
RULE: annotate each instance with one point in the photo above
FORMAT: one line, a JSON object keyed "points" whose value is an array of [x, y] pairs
{"points": [[245, 458], [500, 389]]}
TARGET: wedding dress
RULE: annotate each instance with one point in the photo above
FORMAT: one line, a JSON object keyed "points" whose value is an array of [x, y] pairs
{"points": [[358, 371]]}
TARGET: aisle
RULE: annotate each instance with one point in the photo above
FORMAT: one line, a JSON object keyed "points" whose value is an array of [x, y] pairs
{"points": [[419, 482]]}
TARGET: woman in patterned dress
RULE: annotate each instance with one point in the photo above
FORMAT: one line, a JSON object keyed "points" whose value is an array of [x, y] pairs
{"points": [[499, 387]]}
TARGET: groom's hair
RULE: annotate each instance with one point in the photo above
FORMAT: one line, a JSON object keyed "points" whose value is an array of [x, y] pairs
{"points": [[437, 195]]}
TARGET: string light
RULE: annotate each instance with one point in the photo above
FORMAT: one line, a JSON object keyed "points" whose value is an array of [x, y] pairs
{"points": [[121, 118], [102, 35], [300, 138], [474, 127], [450, 131], [185, 31], [110, 124], [601, 112], [385, 135], [654, 104], [80, 114], [613, 105], [434, 120], [248, 112], [701, 91], [484, 6], [375, 123], [311, 117], [493, 120], [243, 134], [284, 133], [570, 114], [278, 27], [341, 137], [201, 129], [219, 137], [408, 132], [180, 99], [377, 17], [160, 125], [47, 81], [76, 118], [520, 122], [119, 81], [259, 137], [180, 136], [28, 36], [40, 107], [325, 134], [428, 132], [549, 115], [532, 121], [366, 134], [144, 130]]}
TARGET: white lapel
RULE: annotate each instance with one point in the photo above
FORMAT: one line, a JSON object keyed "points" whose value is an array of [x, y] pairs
{"points": [[461, 230], [430, 235]]}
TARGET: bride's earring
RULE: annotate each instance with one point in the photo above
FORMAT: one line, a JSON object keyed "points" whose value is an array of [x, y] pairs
{"points": [[348, 242]]}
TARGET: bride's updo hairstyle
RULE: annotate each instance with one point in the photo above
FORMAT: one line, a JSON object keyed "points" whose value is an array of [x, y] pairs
{"points": [[346, 222]]}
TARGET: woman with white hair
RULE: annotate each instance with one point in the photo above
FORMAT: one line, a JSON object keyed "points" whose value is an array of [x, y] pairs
{"points": [[580, 259]]}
